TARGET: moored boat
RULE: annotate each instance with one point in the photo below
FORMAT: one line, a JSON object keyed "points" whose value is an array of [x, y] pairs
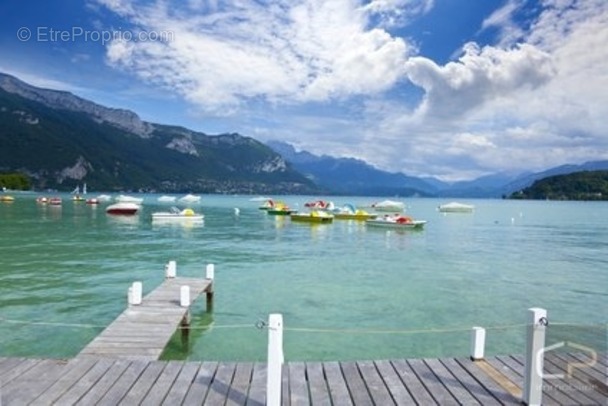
{"points": [[315, 216], [396, 221], [42, 200], [455, 207], [320, 205], [7, 199], [167, 199], [123, 208], [55, 201], [348, 212], [176, 214], [280, 209], [388, 205], [190, 199], [129, 199], [92, 201]]}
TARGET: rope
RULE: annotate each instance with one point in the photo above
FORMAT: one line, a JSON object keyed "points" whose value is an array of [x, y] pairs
{"points": [[261, 325]]}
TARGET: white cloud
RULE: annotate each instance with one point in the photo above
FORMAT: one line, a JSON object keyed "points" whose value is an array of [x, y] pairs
{"points": [[478, 76], [283, 52], [536, 98]]}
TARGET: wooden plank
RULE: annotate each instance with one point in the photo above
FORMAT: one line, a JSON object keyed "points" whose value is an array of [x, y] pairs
{"points": [[472, 386], [550, 394], [432, 383], [142, 385], [375, 385], [356, 385], [32, 383], [113, 396], [14, 370], [317, 385], [200, 386], [417, 390], [592, 379], [571, 387], [237, 394], [285, 386], [163, 383], [336, 384], [84, 383], [488, 383], [99, 388], [218, 392], [182, 383], [394, 384], [298, 386], [257, 391], [453, 385]]}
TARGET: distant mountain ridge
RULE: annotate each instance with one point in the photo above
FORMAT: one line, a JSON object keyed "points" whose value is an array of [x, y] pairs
{"points": [[61, 140], [352, 176]]}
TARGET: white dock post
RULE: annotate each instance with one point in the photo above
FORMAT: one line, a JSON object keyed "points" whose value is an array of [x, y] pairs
{"points": [[478, 343], [210, 274], [171, 269], [533, 365], [275, 360], [136, 293], [184, 296], [210, 271]]}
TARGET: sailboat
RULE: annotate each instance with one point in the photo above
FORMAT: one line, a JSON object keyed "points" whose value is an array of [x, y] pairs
{"points": [[76, 192]]}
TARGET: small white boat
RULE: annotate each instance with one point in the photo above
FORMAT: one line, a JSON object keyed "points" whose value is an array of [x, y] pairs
{"points": [[190, 199], [455, 207], [123, 208], [129, 199], [396, 221], [104, 198], [177, 214], [388, 205], [167, 199]]}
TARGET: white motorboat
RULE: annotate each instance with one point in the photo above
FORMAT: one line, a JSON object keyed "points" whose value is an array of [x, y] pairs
{"points": [[455, 207], [177, 214]]}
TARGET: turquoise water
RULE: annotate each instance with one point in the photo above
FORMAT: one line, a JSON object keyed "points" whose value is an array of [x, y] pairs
{"points": [[345, 291]]}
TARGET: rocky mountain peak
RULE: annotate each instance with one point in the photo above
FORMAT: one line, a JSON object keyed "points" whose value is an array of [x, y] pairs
{"points": [[123, 119]]}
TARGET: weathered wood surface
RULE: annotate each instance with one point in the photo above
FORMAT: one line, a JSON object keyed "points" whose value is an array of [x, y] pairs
{"points": [[84, 381], [142, 331]]}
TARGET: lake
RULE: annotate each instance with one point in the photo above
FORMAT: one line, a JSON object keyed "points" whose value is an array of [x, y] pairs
{"points": [[346, 291]]}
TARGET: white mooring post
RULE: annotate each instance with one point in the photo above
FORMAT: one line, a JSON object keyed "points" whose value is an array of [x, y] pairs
{"points": [[210, 274], [275, 360], [533, 365], [171, 269], [478, 343], [184, 296], [136, 293], [210, 271]]}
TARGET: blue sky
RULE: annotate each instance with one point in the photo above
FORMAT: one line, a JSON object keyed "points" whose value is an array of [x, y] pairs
{"points": [[454, 89]]}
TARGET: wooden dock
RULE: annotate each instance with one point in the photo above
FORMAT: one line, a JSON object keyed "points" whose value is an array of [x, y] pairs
{"points": [[449, 381], [142, 331]]}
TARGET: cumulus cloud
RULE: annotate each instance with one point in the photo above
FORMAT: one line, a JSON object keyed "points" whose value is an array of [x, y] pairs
{"points": [[479, 75], [282, 52], [535, 98], [538, 103]]}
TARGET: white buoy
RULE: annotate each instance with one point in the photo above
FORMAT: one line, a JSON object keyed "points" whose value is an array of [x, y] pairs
{"points": [[237, 211]]}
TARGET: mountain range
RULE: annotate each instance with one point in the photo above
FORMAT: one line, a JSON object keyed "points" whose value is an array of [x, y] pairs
{"points": [[60, 140], [353, 176]]}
